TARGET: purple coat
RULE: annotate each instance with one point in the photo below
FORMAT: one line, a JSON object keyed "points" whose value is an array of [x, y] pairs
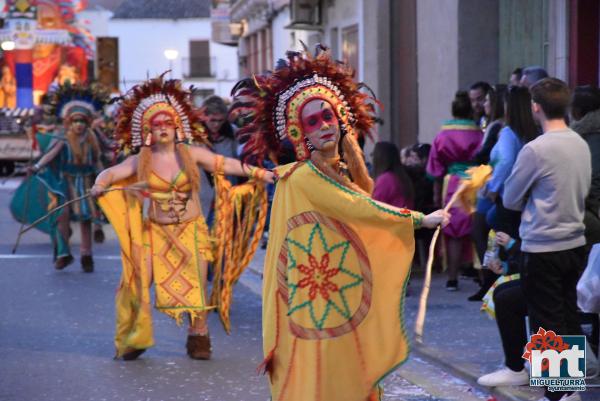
{"points": [[453, 149]]}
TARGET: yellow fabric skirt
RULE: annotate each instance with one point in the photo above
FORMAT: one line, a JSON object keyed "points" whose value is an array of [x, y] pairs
{"points": [[178, 254]]}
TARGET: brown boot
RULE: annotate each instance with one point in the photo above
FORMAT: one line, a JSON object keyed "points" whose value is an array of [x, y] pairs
{"points": [[132, 354], [87, 263], [198, 347], [98, 235], [63, 262]]}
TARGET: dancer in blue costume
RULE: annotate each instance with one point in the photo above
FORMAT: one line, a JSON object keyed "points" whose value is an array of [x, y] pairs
{"points": [[78, 154]]}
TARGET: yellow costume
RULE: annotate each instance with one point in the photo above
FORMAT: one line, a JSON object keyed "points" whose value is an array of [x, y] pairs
{"points": [[335, 274], [173, 256], [337, 261]]}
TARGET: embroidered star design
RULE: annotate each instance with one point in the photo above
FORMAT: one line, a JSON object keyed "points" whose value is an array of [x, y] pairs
{"points": [[322, 277], [317, 277]]}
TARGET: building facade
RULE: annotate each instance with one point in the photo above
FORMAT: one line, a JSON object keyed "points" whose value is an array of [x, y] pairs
{"points": [[416, 54], [148, 38]]}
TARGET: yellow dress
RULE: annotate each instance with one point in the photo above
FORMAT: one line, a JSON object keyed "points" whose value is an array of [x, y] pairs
{"points": [[335, 273], [176, 252], [170, 255]]}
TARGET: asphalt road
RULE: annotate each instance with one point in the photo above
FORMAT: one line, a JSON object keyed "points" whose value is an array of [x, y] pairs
{"points": [[56, 333]]}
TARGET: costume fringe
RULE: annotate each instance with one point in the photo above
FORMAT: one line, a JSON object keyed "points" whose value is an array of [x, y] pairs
{"points": [[241, 214]]}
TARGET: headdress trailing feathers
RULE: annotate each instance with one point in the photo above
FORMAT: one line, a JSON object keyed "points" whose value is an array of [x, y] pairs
{"points": [[70, 99], [155, 96], [270, 105]]}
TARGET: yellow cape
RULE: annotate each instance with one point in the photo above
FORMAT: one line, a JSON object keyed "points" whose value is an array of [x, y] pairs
{"points": [[335, 273], [133, 309]]}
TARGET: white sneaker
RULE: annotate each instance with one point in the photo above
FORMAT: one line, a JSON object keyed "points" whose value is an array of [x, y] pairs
{"points": [[566, 397], [504, 377]]}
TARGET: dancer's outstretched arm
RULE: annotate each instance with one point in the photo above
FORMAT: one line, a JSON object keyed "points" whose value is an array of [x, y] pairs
{"points": [[206, 159], [125, 169]]}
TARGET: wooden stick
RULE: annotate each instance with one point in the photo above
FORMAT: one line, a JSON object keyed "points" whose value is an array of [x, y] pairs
{"points": [[29, 164], [420, 322], [44, 217], [56, 209]]}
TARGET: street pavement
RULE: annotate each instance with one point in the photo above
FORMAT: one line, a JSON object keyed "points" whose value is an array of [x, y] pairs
{"points": [[57, 328]]}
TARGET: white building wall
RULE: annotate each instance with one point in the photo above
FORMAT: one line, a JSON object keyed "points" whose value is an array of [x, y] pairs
{"points": [[340, 15], [285, 39], [141, 52], [437, 44]]}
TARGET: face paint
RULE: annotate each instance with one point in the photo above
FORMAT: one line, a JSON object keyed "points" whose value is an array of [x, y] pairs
{"points": [[320, 125], [323, 118], [78, 124], [163, 127]]}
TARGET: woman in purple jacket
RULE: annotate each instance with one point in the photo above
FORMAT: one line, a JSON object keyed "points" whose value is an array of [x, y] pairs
{"points": [[392, 182]]}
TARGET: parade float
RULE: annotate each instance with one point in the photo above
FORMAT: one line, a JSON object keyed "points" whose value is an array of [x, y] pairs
{"points": [[43, 44]]}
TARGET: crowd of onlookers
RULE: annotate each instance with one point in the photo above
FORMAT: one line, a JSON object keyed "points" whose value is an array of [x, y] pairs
{"points": [[535, 220]]}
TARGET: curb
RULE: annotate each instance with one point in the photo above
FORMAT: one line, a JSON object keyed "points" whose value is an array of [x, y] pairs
{"points": [[505, 393]]}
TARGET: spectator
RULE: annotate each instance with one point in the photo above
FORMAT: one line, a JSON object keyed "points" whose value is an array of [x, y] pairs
{"points": [[552, 200], [515, 76], [220, 132], [415, 166], [520, 129], [392, 182], [452, 153], [477, 94], [585, 116], [222, 141], [494, 112], [510, 310], [494, 108], [531, 75]]}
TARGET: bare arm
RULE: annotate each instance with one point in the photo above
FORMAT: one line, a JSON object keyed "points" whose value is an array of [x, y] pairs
{"points": [[206, 159], [48, 157], [106, 178]]}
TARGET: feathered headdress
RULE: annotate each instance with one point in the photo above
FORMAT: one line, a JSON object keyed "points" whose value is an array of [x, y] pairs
{"points": [[70, 99], [270, 106], [144, 101]]}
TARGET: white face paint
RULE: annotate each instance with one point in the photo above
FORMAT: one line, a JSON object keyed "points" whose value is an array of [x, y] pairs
{"points": [[321, 125]]}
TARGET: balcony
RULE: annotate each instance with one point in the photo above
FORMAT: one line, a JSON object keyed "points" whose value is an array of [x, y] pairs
{"points": [[244, 9]]}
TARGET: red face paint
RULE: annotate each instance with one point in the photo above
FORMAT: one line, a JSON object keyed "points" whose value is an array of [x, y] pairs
{"points": [[315, 121], [165, 122]]}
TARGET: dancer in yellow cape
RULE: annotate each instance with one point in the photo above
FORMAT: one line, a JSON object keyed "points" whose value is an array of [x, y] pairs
{"points": [[171, 246], [337, 261]]}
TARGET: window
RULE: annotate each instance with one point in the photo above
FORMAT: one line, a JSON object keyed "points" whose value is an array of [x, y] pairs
{"points": [[350, 47], [199, 59], [333, 39]]}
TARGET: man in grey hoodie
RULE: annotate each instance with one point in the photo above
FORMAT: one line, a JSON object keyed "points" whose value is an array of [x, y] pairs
{"points": [[549, 183]]}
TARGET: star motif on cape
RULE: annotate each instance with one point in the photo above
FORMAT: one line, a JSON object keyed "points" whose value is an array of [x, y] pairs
{"points": [[322, 277]]}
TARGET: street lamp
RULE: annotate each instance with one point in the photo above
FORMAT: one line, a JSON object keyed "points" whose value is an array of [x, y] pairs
{"points": [[8, 45], [171, 54]]}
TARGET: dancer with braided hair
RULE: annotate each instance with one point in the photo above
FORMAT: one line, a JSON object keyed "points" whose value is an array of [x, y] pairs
{"points": [[171, 245], [337, 261]]}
